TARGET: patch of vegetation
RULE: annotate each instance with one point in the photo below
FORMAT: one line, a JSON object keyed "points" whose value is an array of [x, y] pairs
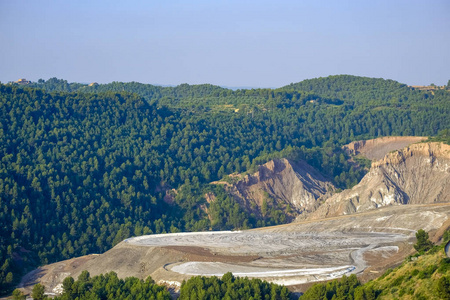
{"points": [[363, 162], [423, 242], [344, 288], [428, 277], [230, 287], [109, 287], [442, 136]]}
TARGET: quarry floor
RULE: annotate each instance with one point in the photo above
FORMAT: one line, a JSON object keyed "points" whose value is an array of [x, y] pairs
{"points": [[282, 257], [296, 254]]}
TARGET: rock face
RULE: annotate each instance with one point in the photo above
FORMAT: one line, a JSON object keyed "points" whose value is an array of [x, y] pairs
{"points": [[284, 181], [418, 174], [376, 149]]}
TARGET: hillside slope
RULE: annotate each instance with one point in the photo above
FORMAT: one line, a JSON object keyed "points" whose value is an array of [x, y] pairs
{"points": [[81, 171], [376, 149], [417, 174], [419, 277], [284, 181], [292, 254]]}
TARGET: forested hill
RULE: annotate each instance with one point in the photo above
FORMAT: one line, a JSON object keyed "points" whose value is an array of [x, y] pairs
{"points": [[333, 85], [337, 89], [352, 87], [81, 169], [147, 91]]}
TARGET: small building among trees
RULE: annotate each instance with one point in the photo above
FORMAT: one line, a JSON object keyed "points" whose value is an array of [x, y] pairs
{"points": [[23, 81]]}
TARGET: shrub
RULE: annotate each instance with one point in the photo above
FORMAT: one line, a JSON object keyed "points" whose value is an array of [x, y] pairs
{"points": [[388, 271], [397, 281], [442, 288], [444, 265], [423, 243]]}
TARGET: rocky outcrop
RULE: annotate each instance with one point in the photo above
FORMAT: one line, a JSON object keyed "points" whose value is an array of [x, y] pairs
{"points": [[286, 182], [376, 149], [418, 174]]}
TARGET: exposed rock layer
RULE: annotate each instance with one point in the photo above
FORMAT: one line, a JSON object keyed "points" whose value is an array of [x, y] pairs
{"points": [[417, 174], [377, 148], [284, 181]]}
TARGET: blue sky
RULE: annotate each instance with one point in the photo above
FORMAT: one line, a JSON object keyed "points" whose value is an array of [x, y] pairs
{"points": [[228, 43]]}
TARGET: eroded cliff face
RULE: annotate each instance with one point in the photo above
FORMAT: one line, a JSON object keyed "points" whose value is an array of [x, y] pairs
{"points": [[418, 174], [284, 181], [376, 149]]}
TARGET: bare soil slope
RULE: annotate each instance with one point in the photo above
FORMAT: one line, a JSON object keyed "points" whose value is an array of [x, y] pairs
{"points": [[296, 184], [293, 254], [363, 230], [416, 174], [376, 149], [52, 275]]}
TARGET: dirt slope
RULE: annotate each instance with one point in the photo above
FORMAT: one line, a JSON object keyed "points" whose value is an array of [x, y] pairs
{"points": [[376, 149], [416, 174], [354, 237], [284, 181], [293, 254]]}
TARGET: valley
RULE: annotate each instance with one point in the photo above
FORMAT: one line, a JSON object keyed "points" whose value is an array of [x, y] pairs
{"points": [[293, 188], [235, 150], [311, 249]]}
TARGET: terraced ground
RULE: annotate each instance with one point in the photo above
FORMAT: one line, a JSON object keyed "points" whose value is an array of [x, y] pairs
{"points": [[294, 254]]}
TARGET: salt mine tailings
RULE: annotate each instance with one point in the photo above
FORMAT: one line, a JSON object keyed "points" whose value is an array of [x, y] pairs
{"points": [[294, 254], [356, 231], [417, 174]]}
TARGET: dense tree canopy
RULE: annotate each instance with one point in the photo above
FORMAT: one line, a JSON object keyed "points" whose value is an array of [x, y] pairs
{"points": [[84, 167], [230, 287], [423, 243], [110, 287]]}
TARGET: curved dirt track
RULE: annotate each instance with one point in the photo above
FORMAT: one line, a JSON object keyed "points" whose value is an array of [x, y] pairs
{"points": [[376, 149], [275, 245], [305, 251], [292, 254]]}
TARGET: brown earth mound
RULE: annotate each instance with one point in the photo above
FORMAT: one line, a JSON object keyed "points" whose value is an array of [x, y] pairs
{"points": [[286, 182], [293, 254], [377, 148], [52, 275], [417, 174], [354, 238]]}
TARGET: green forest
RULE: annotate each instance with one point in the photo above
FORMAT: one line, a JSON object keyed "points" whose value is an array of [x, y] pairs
{"points": [[110, 287], [84, 167], [107, 286]]}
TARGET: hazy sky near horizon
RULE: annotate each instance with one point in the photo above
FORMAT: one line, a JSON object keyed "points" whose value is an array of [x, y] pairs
{"points": [[228, 43]]}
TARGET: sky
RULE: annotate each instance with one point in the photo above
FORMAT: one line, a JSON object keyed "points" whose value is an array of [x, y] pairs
{"points": [[228, 43]]}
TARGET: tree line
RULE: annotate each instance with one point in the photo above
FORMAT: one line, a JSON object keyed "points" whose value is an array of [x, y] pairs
{"points": [[83, 168]]}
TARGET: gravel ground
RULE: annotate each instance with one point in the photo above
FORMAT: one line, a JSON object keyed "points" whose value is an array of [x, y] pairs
{"points": [[293, 254], [345, 251]]}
